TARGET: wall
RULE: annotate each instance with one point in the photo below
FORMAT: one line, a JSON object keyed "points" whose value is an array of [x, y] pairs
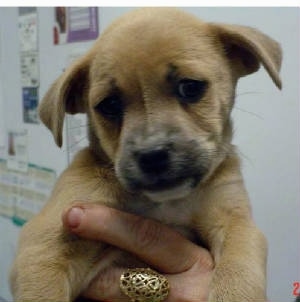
{"points": [[266, 129]]}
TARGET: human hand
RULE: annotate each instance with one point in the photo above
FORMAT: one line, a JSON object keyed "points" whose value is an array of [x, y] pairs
{"points": [[187, 267]]}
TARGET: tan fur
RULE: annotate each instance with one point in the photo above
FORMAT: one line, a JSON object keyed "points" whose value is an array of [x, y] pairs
{"points": [[135, 57]]}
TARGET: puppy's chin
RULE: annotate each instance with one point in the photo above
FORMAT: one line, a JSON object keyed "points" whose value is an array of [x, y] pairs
{"points": [[173, 193]]}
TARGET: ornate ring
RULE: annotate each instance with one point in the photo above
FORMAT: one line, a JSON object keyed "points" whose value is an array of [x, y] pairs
{"points": [[144, 285]]}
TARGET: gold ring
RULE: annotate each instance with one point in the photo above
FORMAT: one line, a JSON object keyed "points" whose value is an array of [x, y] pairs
{"points": [[144, 285]]}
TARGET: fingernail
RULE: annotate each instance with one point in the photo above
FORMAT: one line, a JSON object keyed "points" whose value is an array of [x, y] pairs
{"points": [[74, 217]]}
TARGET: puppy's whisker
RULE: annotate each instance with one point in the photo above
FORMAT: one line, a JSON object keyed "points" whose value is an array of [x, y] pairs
{"points": [[238, 95], [249, 112], [247, 93], [244, 156]]}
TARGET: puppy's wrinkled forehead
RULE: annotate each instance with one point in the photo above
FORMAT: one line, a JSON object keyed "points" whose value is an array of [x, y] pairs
{"points": [[141, 42]]}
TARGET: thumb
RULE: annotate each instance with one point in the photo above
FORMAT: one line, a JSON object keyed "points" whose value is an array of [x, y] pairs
{"points": [[149, 240]]}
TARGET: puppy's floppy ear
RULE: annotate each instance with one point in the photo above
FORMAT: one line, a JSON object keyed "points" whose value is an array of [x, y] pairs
{"points": [[247, 48], [67, 94]]}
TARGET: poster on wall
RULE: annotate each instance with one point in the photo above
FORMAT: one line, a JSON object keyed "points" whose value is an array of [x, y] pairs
{"points": [[29, 69], [77, 137], [2, 114], [17, 150], [76, 125], [30, 104], [28, 29], [75, 24], [23, 195], [29, 59]]}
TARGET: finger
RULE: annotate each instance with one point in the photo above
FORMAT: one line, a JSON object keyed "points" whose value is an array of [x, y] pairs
{"points": [[190, 286], [106, 287], [153, 242]]}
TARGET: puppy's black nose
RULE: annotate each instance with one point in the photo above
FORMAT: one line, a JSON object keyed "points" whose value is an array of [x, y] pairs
{"points": [[154, 161]]}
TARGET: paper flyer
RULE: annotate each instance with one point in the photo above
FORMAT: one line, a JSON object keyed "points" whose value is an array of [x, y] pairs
{"points": [[2, 120], [75, 24], [76, 125], [34, 191], [29, 59], [29, 69], [2, 111], [17, 151], [22, 195], [77, 137], [6, 191], [30, 104], [28, 29]]}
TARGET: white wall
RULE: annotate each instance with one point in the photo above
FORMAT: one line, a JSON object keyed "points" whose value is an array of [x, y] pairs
{"points": [[266, 123]]}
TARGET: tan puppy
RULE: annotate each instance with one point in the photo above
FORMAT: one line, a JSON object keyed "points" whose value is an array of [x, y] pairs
{"points": [[158, 88]]}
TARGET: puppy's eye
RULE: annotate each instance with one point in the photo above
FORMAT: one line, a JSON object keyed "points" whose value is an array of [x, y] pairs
{"points": [[111, 107], [190, 90]]}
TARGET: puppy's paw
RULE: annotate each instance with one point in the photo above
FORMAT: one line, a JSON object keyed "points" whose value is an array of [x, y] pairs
{"points": [[234, 284], [38, 283]]}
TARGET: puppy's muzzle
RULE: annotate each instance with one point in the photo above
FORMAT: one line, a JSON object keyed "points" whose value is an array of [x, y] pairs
{"points": [[163, 168], [151, 163]]}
